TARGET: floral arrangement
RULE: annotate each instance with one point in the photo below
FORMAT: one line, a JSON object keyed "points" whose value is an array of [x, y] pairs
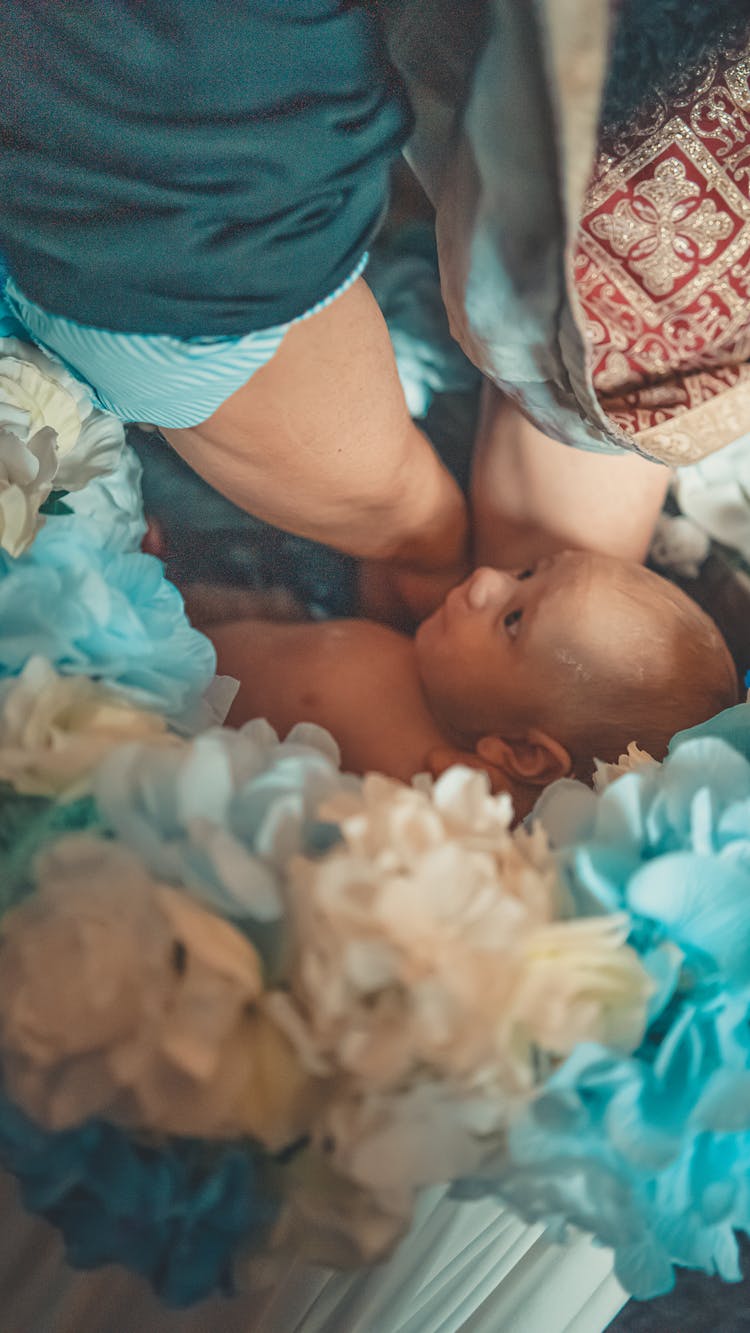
{"points": [[251, 1005]]}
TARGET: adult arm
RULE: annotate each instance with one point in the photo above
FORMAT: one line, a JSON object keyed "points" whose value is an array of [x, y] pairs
{"points": [[532, 496], [320, 442]]}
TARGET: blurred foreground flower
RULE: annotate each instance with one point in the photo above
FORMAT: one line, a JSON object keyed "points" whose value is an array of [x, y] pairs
{"points": [[120, 997], [50, 436]]}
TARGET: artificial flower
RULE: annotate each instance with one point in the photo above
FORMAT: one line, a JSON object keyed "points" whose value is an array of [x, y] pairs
{"points": [[122, 998], [104, 614], [55, 729], [634, 758], [50, 435], [679, 545], [391, 1144], [223, 815], [429, 941], [27, 471], [669, 844], [176, 1214], [110, 506], [324, 1219], [650, 1153]]}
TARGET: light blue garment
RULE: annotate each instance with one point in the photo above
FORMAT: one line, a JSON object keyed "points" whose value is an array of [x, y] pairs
{"points": [[169, 382]]}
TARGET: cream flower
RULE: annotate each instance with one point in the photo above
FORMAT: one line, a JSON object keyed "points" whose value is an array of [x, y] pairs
{"points": [[634, 758], [393, 1144], [325, 1220], [54, 730], [27, 470], [50, 436], [429, 942], [122, 998]]}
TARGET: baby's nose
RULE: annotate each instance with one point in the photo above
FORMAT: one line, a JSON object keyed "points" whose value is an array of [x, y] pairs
{"points": [[489, 587]]}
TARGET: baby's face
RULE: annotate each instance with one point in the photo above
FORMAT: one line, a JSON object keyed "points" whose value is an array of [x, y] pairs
{"points": [[504, 647]]}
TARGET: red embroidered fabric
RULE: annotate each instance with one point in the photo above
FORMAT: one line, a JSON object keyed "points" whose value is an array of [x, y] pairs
{"points": [[662, 263]]}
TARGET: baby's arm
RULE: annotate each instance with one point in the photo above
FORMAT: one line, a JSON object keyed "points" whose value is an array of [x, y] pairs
{"points": [[532, 496]]}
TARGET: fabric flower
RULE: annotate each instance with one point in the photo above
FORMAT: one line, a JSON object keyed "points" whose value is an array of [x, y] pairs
{"points": [[634, 758], [650, 1154], [177, 1215], [679, 545], [50, 435], [29, 823], [223, 815], [428, 941], [670, 844], [104, 614], [391, 1144], [27, 471], [55, 729], [324, 1219], [120, 997], [110, 506]]}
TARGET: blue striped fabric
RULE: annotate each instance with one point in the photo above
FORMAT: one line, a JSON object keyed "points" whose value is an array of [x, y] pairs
{"points": [[155, 378]]}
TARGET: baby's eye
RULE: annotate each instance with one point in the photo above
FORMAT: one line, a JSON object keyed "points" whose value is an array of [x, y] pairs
{"points": [[524, 574], [512, 622]]}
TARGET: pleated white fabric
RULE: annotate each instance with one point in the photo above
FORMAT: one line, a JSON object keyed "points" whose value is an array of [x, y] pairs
{"points": [[464, 1268]]}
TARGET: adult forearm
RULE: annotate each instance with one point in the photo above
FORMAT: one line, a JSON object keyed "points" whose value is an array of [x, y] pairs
{"points": [[532, 496]]}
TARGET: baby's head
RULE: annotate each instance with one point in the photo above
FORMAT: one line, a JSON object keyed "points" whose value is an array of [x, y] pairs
{"points": [[570, 661]]}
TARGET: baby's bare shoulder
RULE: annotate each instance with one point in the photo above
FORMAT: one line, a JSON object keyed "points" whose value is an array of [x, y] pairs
{"points": [[355, 637]]}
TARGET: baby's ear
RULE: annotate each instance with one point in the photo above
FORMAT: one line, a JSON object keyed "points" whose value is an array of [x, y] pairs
{"points": [[536, 760], [445, 756]]}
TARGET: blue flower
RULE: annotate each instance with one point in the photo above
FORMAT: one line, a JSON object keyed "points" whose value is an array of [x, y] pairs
{"points": [[175, 1215], [670, 844], [732, 726], [101, 613], [223, 815], [651, 1154]]}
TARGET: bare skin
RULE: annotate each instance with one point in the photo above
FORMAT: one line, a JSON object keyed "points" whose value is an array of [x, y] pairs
{"points": [[507, 675], [319, 442], [356, 678], [532, 496]]}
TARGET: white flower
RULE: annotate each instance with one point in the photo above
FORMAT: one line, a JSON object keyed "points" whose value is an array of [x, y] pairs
{"points": [[110, 506], [429, 942], [633, 759], [55, 729], [393, 1144], [679, 544], [224, 814], [50, 436]]}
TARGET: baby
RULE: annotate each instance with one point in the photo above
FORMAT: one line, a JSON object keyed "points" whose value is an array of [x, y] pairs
{"points": [[531, 674]]}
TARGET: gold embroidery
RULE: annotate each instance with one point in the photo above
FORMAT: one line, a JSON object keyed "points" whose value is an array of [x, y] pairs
{"points": [[674, 134], [738, 83], [702, 430], [664, 227]]}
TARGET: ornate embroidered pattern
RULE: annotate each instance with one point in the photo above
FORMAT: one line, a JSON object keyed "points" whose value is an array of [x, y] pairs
{"points": [[664, 227], [662, 266]]}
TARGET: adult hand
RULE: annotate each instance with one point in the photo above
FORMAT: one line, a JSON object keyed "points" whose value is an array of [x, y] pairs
{"points": [[402, 597]]}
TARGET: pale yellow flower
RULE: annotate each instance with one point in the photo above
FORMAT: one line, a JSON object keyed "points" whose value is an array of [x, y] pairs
{"points": [[54, 729], [123, 998]]}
